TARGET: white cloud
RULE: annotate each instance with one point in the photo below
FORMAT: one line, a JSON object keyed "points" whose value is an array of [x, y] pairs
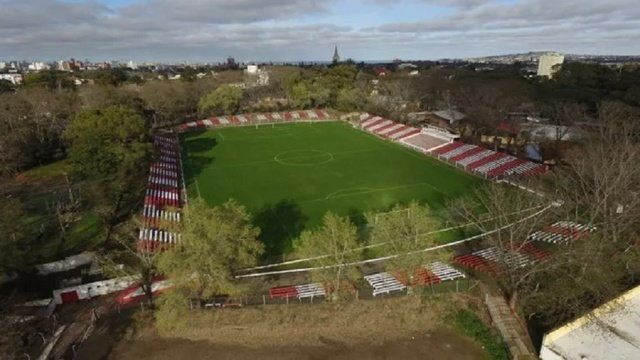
{"points": [[296, 29]]}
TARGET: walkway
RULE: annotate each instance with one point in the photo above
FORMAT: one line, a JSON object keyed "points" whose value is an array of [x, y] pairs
{"points": [[513, 333]]}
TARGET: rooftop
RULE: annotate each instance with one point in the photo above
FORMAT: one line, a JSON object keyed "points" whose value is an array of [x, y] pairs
{"points": [[611, 331]]}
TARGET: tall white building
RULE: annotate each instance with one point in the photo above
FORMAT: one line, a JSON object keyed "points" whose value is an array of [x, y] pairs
{"points": [[37, 66], [549, 63]]}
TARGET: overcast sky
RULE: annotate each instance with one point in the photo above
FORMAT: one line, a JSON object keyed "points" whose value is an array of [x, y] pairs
{"points": [[260, 30]]}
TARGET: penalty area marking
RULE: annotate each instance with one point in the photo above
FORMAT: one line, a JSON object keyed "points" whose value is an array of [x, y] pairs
{"points": [[347, 192]]}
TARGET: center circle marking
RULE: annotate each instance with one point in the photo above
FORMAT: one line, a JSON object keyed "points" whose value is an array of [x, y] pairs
{"points": [[303, 157]]}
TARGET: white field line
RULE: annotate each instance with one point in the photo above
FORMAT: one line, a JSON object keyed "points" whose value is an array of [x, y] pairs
{"points": [[520, 187], [290, 262]]}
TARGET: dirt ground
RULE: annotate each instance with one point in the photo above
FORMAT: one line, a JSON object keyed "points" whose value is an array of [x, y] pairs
{"points": [[400, 328], [437, 345]]}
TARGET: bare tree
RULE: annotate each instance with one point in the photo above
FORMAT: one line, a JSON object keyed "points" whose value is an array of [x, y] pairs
{"points": [[508, 215], [10, 330], [123, 258], [563, 116], [599, 187], [485, 106]]}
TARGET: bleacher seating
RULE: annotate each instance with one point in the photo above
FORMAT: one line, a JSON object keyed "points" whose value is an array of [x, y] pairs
{"points": [[499, 160], [384, 283], [381, 125], [532, 251], [369, 121], [477, 263], [457, 151], [387, 128], [562, 232], [435, 273], [303, 291], [283, 292], [491, 260], [485, 162], [163, 192], [390, 129], [250, 119], [423, 142], [447, 148], [403, 133], [467, 154], [310, 290], [464, 162]]}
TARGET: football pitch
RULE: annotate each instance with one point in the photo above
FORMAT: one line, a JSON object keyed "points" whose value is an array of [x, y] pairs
{"points": [[289, 175]]}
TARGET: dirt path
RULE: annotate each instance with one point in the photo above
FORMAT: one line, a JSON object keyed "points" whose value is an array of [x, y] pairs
{"points": [[437, 345], [395, 328]]}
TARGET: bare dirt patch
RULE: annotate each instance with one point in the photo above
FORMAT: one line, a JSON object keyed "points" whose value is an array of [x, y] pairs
{"points": [[400, 328], [437, 345]]}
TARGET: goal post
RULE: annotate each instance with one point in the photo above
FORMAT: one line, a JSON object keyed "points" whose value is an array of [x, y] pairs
{"points": [[273, 125], [380, 215]]}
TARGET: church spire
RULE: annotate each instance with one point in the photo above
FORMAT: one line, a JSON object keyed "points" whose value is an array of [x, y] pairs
{"points": [[336, 56]]}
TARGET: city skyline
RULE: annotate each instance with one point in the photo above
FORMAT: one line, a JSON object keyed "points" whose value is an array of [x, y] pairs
{"points": [[302, 30]]}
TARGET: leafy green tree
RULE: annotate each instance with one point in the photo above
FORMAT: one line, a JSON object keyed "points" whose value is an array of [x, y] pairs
{"points": [[216, 242], [340, 77], [338, 240], [31, 124], [351, 100], [300, 95], [224, 100], [188, 74], [106, 142], [113, 77], [405, 229], [51, 79], [111, 148]]}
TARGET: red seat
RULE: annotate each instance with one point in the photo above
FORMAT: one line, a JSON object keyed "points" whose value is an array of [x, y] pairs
{"points": [[484, 160], [283, 292], [422, 276]]}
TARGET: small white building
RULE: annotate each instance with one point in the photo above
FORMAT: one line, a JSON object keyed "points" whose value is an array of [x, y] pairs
{"points": [[15, 79], [609, 332], [256, 76], [252, 69], [549, 63]]}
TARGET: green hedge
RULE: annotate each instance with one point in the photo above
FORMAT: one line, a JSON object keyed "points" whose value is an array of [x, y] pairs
{"points": [[473, 327]]}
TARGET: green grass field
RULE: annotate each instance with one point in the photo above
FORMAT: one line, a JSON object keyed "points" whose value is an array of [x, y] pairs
{"points": [[290, 175]]}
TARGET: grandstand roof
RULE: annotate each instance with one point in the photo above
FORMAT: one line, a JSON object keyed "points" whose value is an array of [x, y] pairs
{"points": [[450, 115], [611, 331]]}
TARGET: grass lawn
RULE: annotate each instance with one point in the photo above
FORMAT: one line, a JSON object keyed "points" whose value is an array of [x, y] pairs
{"points": [[290, 175]]}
